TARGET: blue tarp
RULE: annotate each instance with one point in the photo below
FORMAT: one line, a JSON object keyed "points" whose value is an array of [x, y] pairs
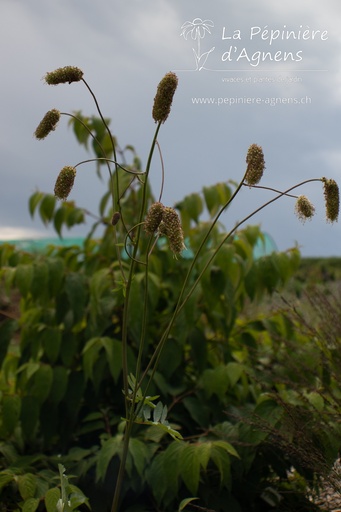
{"points": [[36, 245]]}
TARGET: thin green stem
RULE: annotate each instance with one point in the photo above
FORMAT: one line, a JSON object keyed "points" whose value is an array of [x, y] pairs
{"points": [[129, 171], [162, 172], [114, 193], [94, 138], [245, 219], [158, 349], [181, 303], [269, 188], [130, 413]]}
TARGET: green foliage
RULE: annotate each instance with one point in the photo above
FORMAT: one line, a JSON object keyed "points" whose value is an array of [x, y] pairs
{"points": [[62, 384], [121, 356]]}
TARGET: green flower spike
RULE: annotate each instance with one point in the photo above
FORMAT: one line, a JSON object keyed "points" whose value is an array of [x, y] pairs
{"points": [[171, 227], [47, 124], [164, 97], [153, 218], [64, 182], [304, 209], [332, 199], [64, 75], [255, 165]]}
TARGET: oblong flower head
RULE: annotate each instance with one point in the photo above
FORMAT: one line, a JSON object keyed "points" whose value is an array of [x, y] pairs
{"points": [[171, 227], [153, 218], [304, 209], [65, 75], [164, 97], [332, 199], [64, 182], [255, 165], [47, 124]]}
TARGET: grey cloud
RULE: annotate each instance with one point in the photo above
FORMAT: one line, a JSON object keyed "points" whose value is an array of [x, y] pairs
{"points": [[124, 49]]}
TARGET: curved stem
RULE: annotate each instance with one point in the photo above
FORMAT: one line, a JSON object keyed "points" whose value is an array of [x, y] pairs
{"points": [[94, 138], [162, 171], [114, 193], [245, 219], [271, 189], [135, 173], [181, 303], [143, 328], [158, 349]]}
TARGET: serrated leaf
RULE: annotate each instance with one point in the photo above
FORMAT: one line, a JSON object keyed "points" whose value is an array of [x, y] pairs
{"points": [[51, 498], [23, 278], [27, 485], [5, 478], [215, 381], [193, 205], [42, 381], [75, 287], [156, 473], [316, 400], [11, 407], [59, 219], [74, 216], [190, 468], [80, 130], [10, 453], [227, 447], [172, 465], [76, 497], [39, 286], [7, 329], [51, 339], [269, 410], [31, 505], [34, 201], [211, 196], [157, 412], [185, 502], [90, 355], [59, 384], [140, 454], [163, 418], [56, 268], [224, 192], [46, 208], [234, 372], [222, 462], [29, 415], [108, 450], [113, 350], [204, 453]]}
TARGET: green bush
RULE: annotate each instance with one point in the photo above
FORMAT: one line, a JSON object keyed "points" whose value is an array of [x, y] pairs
{"points": [[132, 366]]}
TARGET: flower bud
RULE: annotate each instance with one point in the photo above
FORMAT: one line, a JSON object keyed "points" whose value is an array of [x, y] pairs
{"points": [[115, 218], [304, 209], [255, 165], [153, 218], [64, 75], [47, 124], [171, 227], [164, 97], [64, 182], [332, 199]]}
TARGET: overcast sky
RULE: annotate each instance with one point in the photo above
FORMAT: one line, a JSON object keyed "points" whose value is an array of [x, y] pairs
{"points": [[125, 47]]}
